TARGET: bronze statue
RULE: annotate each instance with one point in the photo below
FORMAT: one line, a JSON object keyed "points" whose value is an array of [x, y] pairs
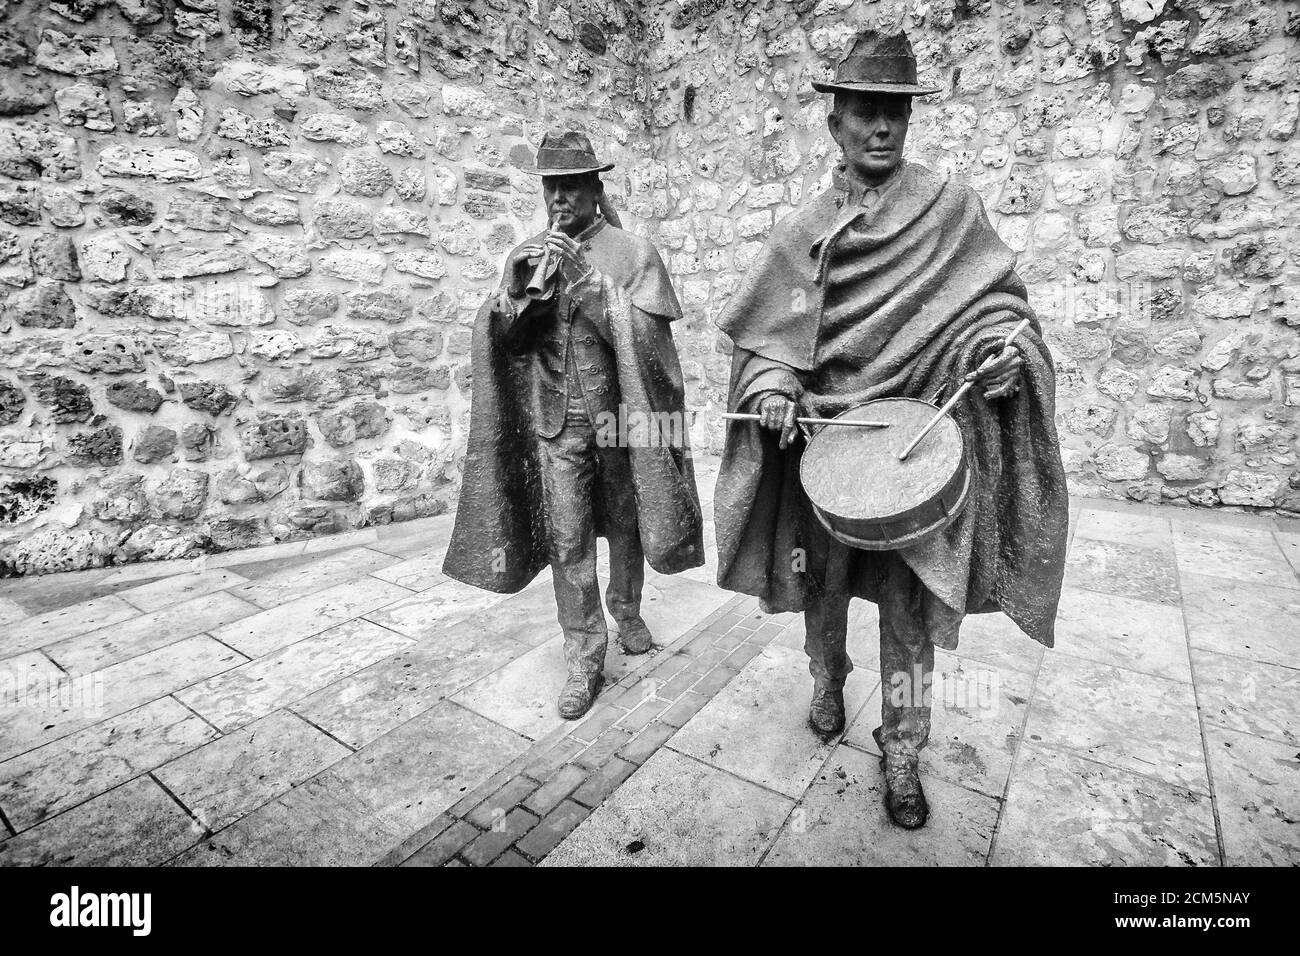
{"points": [[893, 283], [575, 345]]}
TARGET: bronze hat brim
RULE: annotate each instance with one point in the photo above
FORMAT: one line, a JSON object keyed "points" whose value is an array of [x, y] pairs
{"points": [[555, 171], [900, 89]]}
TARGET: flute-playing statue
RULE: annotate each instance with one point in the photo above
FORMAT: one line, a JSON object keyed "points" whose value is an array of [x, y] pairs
{"points": [[579, 329]]}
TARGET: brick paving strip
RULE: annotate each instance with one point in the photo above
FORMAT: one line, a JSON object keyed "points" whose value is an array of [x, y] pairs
{"points": [[522, 812]]}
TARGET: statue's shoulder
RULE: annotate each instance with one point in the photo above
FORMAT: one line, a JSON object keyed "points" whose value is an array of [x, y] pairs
{"points": [[925, 181], [620, 245]]}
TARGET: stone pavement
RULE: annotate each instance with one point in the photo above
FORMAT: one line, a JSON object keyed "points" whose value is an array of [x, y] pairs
{"points": [[339, 701]]}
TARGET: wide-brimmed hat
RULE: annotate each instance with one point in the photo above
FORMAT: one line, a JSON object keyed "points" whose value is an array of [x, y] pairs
{"points": [[566, 154], [877, 63]]}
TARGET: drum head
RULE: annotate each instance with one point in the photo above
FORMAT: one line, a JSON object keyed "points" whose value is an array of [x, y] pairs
{"points": [[855, 476]]}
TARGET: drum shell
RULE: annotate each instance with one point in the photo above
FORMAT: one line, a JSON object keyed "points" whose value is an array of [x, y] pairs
{"points": [[908, 527]]}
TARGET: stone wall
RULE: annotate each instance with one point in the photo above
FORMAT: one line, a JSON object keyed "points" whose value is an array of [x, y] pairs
{"points": [[242, 241], [241, 248], [1141, 157]]}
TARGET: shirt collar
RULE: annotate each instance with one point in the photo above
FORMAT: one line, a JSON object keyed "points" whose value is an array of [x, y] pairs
{"points": [[849, 181]]}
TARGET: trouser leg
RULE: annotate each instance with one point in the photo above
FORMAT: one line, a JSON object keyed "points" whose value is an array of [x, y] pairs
{"points": [[906, 663], [626, 559], [568, 477], [826, 622]]}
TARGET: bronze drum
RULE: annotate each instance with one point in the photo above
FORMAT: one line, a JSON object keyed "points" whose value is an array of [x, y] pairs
{"points": [[865, 496]]}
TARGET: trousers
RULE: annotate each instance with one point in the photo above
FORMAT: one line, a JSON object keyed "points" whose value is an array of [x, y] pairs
{"points": [[906, 647], [581, 480]]}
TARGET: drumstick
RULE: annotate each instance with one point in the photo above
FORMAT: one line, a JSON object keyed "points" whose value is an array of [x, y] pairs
{"points": [[746, 417], [956, 397]]}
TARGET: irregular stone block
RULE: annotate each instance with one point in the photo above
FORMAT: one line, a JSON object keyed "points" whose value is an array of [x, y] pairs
{"points": [[348, 344], [1169, 381], [100, 447], [341, 219], [305, 305], [274, 436], [31, 150], [120, 497], [68, 401], [76, 55], [107, 354], [85, 104], [44, 305], [124, 208], [362, 175], [55, 257], [244, 484], [211, 397], [56, 549], [166, 163], [1116, 463], [298, 172], [12, 401], [180, 495], [155, 542], [340, 480], [286, 257], [153, 443], [134, 396], [22, 498]]}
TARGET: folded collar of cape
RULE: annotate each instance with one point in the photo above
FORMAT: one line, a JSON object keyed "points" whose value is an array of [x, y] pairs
{"points": [[794, 260]]}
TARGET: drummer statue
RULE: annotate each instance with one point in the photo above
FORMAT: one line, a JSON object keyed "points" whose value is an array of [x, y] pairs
{"points": [[575, 341], [890, 284]]}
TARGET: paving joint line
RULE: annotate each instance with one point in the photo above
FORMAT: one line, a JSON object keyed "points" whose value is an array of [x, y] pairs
{"points": [[1200, 715]]}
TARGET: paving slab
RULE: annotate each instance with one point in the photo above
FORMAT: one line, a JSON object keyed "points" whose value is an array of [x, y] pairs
{"points": [[1238, 554], [317, 824], [1064, 810], [179, 587], [265, 632], [260, 686], [1119, 717], [385, 695], [415, 772], [757, 725], [148, 632], [677, 811], [418, 573], [977, 716], [997, 640], [1138, 635], [48, 627], [1124, 527], [227, 778], [1249, 696], [428, 612], [84, 700], [136, 824], [302, 578], [842, 821], [1252, 621], [46, 781], [1148, 574], [1257, 783]]}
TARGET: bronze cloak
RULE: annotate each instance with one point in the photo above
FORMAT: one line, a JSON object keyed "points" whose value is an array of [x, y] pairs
{"points": [[933, 291], [499, 541]]}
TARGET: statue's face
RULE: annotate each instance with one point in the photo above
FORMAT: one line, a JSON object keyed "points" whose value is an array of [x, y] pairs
{"points": [[571, 199], [871, 128]]}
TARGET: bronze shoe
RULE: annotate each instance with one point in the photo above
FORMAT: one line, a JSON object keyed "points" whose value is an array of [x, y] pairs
{"points": [[826, 712], [904, 798], [633, 635], [578, 694]]}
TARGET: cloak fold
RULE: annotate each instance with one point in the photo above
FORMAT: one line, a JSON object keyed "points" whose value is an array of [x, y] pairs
{"points": [[499, 541], [925, 291]]}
